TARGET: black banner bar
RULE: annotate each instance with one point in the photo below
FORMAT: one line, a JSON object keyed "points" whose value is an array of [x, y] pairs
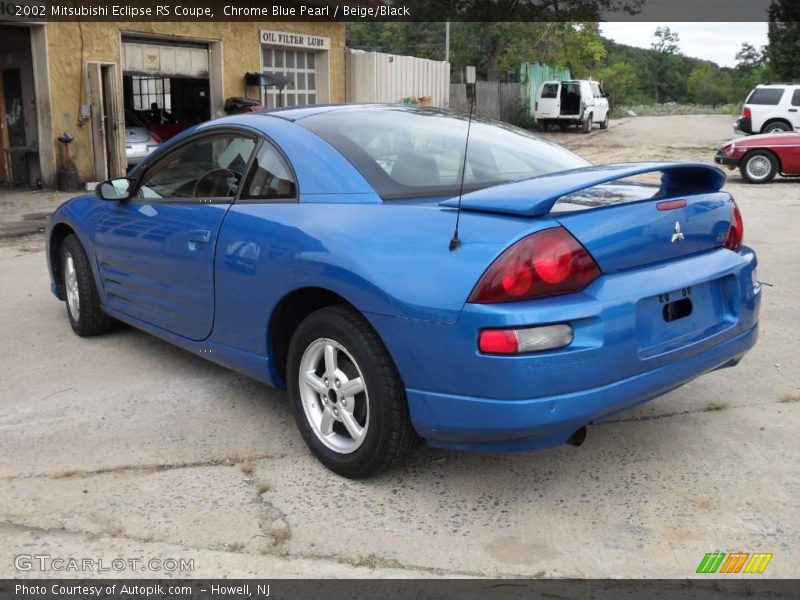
{"points": [[437, 589], [385, 10]]}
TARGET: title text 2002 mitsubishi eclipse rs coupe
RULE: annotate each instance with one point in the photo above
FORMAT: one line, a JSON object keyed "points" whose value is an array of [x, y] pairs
{"points": [[310, 249]]}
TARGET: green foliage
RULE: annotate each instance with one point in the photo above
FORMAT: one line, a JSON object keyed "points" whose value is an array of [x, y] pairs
{"points": [[621, 84], [784, 39], [707, 85]]}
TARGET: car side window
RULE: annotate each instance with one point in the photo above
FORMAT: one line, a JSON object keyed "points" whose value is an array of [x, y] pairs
{"points": [[209, 168], [596, 91], [270, 177], [796, 97]]}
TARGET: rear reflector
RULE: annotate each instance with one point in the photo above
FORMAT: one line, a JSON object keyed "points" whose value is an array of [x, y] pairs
{"points": [[523, 341], [671, 204]]}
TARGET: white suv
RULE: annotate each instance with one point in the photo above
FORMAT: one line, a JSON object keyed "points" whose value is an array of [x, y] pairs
{"points": [[771, 108], [576, 102]]}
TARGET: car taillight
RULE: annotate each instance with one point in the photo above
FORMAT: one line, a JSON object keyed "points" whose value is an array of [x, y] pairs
{"points": [[547, 263], [525, 340], [733, 241], [156, 138], [746, 112]]}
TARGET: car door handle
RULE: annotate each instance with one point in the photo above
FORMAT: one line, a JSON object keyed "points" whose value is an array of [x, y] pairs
{"points": [[200, 235], [792, 110]]}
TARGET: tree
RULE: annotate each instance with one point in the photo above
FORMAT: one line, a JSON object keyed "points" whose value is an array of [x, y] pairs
{"points": [[621, 83], [784, 39], [749, 59], [664, 76], [665, 41], [707, 85]]}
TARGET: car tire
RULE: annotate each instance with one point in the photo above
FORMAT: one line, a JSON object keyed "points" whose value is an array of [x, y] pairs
{"points": [[586, 126], [759, 166], [604, 124], [354, 435], [776, 127], [82, 300]]}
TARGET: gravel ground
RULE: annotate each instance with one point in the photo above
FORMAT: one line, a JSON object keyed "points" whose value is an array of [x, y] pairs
{"points": [[126, 446]]}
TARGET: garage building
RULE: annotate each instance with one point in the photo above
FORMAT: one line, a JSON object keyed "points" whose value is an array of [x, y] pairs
{"points": [[105, 83]]}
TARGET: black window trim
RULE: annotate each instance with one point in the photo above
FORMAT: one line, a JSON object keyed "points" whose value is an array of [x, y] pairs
{"points": [[250, 173], [213, 131]]}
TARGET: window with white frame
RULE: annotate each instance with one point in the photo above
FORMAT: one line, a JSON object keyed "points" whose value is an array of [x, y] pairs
{"points": [[300, 67], [146, 90]]}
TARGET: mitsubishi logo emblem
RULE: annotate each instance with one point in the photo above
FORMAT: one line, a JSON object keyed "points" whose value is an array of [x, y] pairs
{"points": [[678, 235]]}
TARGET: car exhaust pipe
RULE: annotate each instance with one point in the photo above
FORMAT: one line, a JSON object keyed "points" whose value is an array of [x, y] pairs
{"points": [[577, 438]]}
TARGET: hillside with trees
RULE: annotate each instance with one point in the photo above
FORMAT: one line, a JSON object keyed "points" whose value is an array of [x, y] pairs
{"points": [[631, 75]]}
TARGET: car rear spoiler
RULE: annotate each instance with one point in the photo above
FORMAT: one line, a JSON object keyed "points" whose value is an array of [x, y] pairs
{"points": [[536, 196]]}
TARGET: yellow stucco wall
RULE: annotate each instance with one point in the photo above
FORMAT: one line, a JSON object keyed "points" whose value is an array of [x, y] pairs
{"points": [[241, 52]]}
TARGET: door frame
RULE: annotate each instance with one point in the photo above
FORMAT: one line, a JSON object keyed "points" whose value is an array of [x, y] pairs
{"points": [[102, 92]]}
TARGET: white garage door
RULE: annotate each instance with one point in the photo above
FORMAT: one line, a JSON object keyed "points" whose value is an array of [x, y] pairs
{"points": [[166, 60], [300, 67]]}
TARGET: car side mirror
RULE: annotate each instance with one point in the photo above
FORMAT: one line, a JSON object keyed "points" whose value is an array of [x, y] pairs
{"points": [[115, 189]]}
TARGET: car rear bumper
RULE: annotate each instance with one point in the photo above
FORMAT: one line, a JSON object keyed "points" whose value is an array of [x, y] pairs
{"points": [[622, 353], [744, 125], [469, 423]]}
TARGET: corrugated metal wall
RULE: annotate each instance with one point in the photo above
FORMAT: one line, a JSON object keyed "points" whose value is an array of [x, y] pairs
{"points": [[531, 76], [378, 77]]}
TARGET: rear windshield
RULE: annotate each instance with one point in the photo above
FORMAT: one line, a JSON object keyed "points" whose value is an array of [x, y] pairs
{"points": [[550, 90], [416, 152], [765, 96]]}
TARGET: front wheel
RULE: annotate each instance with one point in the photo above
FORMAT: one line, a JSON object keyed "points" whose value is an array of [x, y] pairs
{"points": [[604, 124], [83, 302], [587, 124], [759, 166], [349, 401]]}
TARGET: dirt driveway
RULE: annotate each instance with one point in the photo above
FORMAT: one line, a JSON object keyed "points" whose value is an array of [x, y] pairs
{"points": [[124, 446]]}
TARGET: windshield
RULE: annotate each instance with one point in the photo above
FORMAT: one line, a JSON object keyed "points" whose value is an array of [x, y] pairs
{"points": [[416, 152]]}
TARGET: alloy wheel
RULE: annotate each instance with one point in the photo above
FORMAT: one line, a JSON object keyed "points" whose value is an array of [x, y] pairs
{"points": [[334, 395], [71, 285]]}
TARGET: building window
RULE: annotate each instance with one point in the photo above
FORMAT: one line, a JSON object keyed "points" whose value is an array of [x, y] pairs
{"points": [[300, 67], [146, 90]]}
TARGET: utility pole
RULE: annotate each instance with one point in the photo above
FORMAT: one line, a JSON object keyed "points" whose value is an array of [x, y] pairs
{"points": [[447, 41]]}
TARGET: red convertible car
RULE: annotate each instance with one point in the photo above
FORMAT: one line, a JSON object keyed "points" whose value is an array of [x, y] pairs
{"points": [[761, 157]]}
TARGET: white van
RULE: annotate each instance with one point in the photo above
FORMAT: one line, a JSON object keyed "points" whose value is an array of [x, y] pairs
{"points": [[576, 102]]}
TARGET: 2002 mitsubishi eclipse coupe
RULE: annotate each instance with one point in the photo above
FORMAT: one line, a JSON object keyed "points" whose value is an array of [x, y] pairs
{"points": [[310, 248]]}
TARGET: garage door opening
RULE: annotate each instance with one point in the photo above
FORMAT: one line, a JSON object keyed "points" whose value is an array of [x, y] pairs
{"points": [[19, 146], [166, 89]]}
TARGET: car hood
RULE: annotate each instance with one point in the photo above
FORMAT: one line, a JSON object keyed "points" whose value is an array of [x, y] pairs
{"points": [[766, 139]]}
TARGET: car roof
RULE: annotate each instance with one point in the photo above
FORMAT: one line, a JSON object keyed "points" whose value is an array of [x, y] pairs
{"points": [[295, 113]]}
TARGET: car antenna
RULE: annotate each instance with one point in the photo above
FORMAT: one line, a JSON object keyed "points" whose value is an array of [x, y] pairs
{"points": [[456, 242]]}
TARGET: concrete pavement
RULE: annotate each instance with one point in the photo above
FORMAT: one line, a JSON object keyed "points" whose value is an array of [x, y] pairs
{"points": [[125, 445]]}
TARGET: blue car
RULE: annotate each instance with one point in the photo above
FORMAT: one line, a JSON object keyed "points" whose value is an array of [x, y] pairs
{"points": [[400, 291]]}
